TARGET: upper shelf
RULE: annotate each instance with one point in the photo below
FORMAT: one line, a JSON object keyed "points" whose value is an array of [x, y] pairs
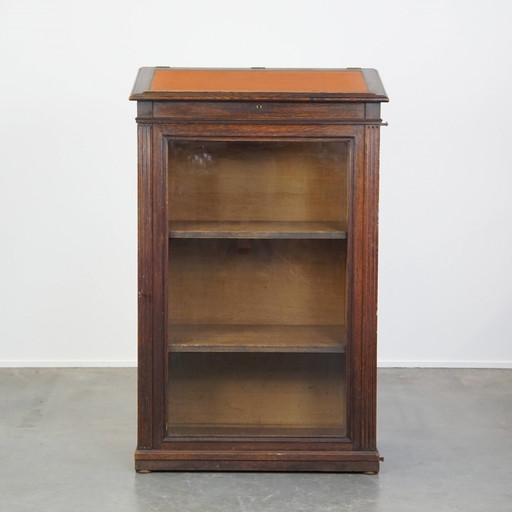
{"points": [[349, 84], [257, 229]]}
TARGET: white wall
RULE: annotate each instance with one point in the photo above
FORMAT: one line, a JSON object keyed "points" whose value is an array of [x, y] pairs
{"points": [[68, 162]]}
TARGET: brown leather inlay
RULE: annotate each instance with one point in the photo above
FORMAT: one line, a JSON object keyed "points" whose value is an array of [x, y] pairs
{"points": [[258, 81]]}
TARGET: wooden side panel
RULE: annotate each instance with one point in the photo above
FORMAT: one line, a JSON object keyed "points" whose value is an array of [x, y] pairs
{"points": [[145, 284], [364, 276], [160, 257], [369, 335], [355, 285]]}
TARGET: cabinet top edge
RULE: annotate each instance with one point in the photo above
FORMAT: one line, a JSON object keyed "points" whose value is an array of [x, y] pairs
{"points": [[246, 84]]}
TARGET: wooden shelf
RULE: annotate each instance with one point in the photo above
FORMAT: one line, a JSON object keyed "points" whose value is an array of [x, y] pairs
{"points": [[261, 431], [257, 338], [253, 394], [257, 229]]}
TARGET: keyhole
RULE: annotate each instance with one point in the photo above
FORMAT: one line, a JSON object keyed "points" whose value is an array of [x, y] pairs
{"points": [[259, 106]]}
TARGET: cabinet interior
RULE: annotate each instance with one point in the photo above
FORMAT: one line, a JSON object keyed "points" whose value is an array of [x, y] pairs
{"points": [[254, 394], [257, 288]]}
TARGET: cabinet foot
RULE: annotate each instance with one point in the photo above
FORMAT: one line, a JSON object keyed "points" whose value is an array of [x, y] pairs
{"points": [[143, 471], [370, 473]]}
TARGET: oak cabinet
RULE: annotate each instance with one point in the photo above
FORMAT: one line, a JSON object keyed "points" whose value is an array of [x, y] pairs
{"points": [[257, 269]]}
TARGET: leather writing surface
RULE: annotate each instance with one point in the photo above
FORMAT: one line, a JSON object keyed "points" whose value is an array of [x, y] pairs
{"points": [[258, 81]]}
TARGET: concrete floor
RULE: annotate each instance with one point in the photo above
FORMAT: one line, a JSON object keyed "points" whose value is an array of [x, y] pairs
{"points": [[67, 437]]}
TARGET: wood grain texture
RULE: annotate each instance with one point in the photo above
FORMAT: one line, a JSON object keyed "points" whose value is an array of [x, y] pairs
{"points": [[267, 466], [257, 132], [368, 427], [283, 460], [145, 286], [257, 229], [303, 454], [221, 111], [355, 286], [159, 271], [257, 338], [208, 444], [362, 282]]}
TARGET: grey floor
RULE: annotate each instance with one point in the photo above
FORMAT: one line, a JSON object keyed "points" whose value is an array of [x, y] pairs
{"points": [[67, 438]]}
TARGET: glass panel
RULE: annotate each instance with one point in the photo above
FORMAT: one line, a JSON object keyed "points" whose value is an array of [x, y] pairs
{"points": [[291, 282], [257, 288], [256, 395], [265, 182]]}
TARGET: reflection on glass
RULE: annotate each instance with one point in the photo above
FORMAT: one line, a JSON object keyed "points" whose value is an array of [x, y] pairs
{"points": [[257, 288], [258, 181]]}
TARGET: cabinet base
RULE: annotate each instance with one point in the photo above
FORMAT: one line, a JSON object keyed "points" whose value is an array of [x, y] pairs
{"points": [[348, 462]]}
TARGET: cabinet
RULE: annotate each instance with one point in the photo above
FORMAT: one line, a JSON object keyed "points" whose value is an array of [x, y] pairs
{"points": [[257, 269]]}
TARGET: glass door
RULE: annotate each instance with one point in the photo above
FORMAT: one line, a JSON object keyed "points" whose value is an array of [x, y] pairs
{"points": [[257, 288]]}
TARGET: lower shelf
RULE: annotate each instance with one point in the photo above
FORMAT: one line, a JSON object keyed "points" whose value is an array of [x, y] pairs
{"points": [[262, 431], [257, 338], [256, 394]]}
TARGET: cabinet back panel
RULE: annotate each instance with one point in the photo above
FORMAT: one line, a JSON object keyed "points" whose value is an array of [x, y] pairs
{"points": [[257, 181], [267, 394], [225, 281]]}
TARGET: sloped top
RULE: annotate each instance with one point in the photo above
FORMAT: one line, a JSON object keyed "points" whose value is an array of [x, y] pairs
{"points": [[351, 84]]}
